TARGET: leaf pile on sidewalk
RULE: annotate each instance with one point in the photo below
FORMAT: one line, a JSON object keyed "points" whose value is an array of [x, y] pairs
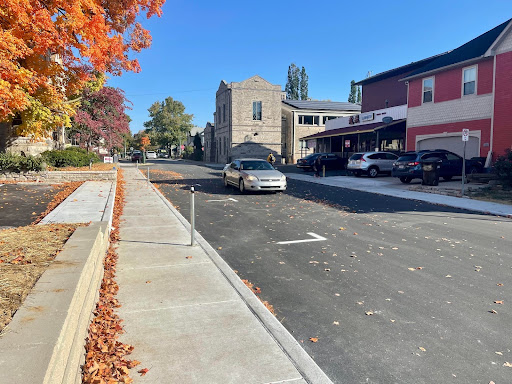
{"points": [[105, 360], [25, 253]]}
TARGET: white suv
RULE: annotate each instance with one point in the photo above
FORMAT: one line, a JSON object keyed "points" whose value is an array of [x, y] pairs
{"points": [[371, 163]]}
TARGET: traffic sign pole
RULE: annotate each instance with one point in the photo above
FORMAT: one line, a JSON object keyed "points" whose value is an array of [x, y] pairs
{"points": [[465, 138]]}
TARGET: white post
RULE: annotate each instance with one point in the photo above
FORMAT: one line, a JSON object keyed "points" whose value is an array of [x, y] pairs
{"points": [[192, 217]]}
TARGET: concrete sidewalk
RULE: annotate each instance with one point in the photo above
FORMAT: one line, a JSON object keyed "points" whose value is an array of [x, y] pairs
{"points": [[188, 315], [92, 201], [388, 186]]}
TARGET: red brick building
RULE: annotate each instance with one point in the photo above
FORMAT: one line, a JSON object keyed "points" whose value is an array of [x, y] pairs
{"points": [[467, 88]]}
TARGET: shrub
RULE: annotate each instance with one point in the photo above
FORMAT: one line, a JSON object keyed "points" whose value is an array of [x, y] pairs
{"points": [[188, 152], [16, 163], [70, 157], [503, 167]]}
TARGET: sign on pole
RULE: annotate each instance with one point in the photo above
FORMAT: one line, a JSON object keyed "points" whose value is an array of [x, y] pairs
{"points": [[465, 138], [347, 143]]}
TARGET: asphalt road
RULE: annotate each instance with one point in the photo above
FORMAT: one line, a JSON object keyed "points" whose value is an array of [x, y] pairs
{"points": [[398, 292]]}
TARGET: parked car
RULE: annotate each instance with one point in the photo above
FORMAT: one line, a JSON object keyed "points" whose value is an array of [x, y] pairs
{"points": [[408, 165], [371, 163], [151, 155], [253, 175], [163, 154], [330, 160], [136, 156]]}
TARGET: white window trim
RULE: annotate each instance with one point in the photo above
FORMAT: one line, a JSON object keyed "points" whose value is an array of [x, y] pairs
{"points": [[423, 89], [476, 81]]}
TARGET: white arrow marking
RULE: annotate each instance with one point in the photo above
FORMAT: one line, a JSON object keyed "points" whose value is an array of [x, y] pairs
{"points": [[316, 238], [228, 199]]}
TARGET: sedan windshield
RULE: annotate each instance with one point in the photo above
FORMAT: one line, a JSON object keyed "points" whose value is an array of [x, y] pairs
{"points": [[255, 165]]}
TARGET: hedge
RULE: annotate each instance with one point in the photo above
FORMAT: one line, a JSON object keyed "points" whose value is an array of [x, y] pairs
{"points": [[70, 157], [16, 163]]}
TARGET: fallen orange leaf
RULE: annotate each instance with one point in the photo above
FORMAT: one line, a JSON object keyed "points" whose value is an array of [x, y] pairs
{"points": [[313, 339]]}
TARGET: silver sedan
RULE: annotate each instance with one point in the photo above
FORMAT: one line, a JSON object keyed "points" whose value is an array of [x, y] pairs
{"points": [[253, 175]]}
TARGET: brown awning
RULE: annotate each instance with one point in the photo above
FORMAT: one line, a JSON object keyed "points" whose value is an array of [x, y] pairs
{"points": [[351, 130]]}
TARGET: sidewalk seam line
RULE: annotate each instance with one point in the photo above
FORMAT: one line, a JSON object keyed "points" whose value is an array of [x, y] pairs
{"points": [[181, 306]]}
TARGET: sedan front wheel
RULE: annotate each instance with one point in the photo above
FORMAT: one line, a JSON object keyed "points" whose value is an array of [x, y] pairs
{"points": [[241, 186], [226, 181]]}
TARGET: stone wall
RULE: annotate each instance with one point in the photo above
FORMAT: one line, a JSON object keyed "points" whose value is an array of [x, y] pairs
{"points": [[256, 138], [57, 176]]}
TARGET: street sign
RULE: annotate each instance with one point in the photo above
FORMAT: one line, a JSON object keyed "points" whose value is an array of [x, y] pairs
{"points": [[465, 135], [347, 143]]}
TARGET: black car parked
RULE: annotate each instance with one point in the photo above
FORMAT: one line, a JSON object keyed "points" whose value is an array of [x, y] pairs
{"points": [[408, 165], [136, 156], [330, 160]]}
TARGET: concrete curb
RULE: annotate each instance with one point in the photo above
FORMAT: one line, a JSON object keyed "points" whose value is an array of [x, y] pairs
{"points": [[307, 367], [108, 214], [45, 340]]}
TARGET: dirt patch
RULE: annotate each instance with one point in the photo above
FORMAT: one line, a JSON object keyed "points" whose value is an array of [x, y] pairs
{"points": [[499, 194], [25, 253]]}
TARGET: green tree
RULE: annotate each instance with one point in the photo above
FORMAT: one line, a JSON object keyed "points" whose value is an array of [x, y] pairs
{"points": [[352, 97], [359, 98], [168, 124], [303, 84], [292, 84]]}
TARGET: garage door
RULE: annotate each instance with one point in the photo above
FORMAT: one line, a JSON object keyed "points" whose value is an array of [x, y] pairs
{"points": [[452, 143]]}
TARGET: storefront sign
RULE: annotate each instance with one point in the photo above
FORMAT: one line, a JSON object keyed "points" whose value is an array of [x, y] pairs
{"points": [[347, 143], [465, 135], [366, 117], [108, 159], [353, 119]]}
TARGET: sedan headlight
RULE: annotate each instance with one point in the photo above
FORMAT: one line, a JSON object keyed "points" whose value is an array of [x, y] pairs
{"points": [[283, 178], [251, 178]]}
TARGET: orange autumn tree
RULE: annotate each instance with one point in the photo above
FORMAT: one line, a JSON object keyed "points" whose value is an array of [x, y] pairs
{"points": [[49, 49], [145, 142]]}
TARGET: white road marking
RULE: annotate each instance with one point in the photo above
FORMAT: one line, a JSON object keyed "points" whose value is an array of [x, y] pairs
{"points": [[316, 238], [228, 199], [1, 185]]}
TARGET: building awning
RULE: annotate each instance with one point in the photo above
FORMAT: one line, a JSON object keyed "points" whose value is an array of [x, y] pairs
{"points": [[352, 130]]}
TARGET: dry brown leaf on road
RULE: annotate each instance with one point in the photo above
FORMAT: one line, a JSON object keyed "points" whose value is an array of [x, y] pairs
{"points": [[143, 371], [369, 313], [422, 349], [313, 339], [507, 364], [498, 302]]}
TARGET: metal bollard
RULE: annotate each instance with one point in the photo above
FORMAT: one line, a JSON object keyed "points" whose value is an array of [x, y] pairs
{"points": [[323, 170], [148, 175], [192, 217], [90, 164], [137, 164]]}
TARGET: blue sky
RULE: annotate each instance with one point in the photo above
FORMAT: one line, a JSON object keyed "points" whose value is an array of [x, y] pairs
{"points": [[196, 44]]}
